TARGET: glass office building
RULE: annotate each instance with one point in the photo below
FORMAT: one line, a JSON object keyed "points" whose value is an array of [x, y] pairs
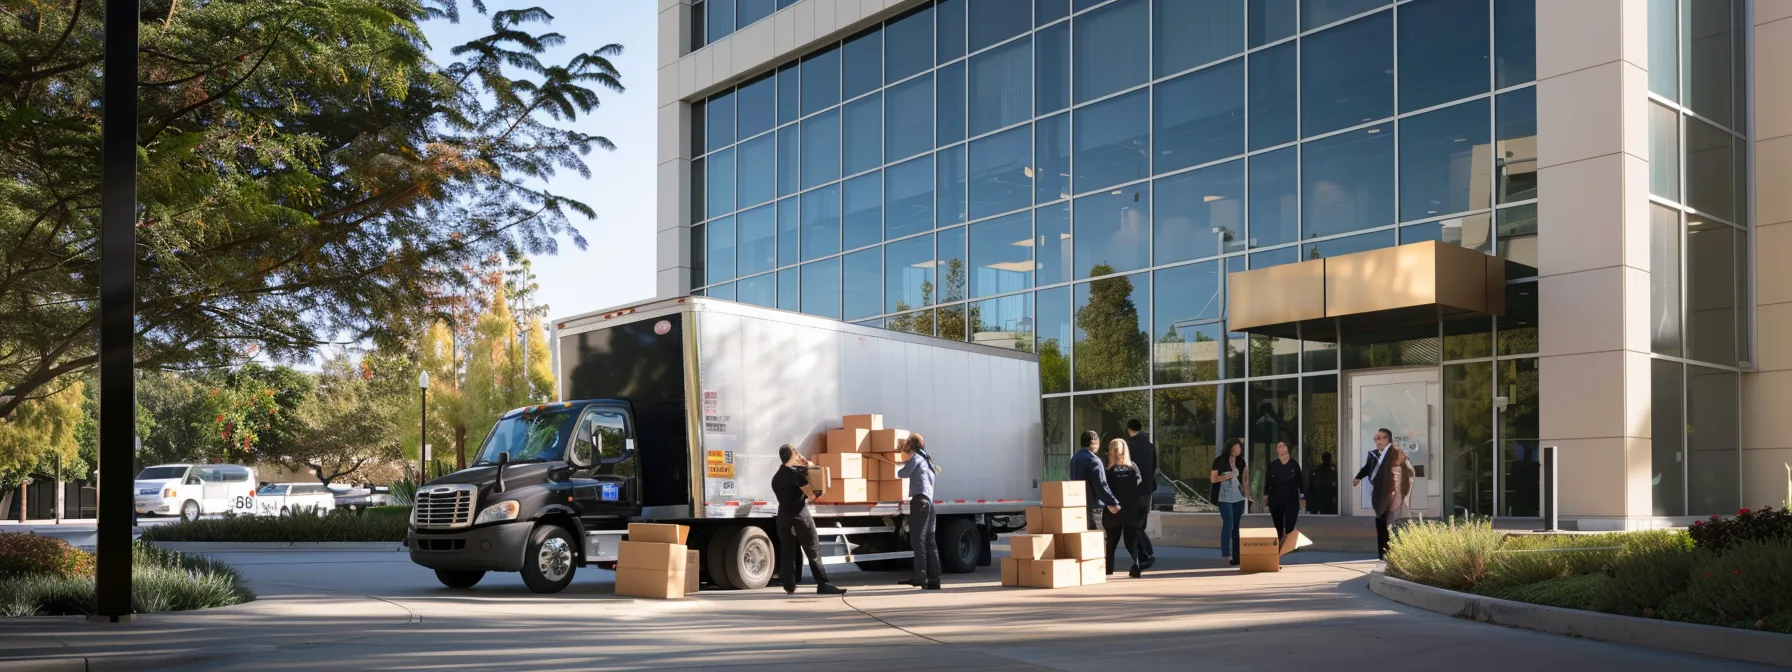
{"points": [[1098, 181]]}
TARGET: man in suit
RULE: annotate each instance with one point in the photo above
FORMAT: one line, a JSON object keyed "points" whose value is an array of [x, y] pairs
{"points": [[1371, 470], [1144, 454], [1086, 466]]}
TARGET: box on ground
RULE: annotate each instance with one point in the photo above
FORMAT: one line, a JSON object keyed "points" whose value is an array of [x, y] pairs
{"points": [[1294, 541], [650, 555], [659, 584], [888, 440], [849, 441], [868, 422], [659, 533], [1081, 545], [1035, 520], [847, 491], [1011, 572], [879, 470], [892, 491], [1094, 571], [1064, 495], [1031, 546], [1258, 551], [1056, 573], [693, 578], [1060, 521], [843, 465]]}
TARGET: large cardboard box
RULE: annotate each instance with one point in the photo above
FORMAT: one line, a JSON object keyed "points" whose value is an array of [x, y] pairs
{"points": [[659, 584], [879, 470], [1258, 551], [892, 491], [888, 440], [1294, 541], [1035, 520], [1031, 546], [1056, 573], [658, 533], [843, 465], [693, 577], [650, 555], [847, 491], [1094, 571], [819, 478], [849, 441], [1011, 572], [1082, 545], [1061, 521], [896, 458], [868, 422], [1065, 495]]}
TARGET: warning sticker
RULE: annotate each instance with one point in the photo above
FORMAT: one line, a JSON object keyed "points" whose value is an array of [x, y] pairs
{"points": [[724, 470], [713, 420]]}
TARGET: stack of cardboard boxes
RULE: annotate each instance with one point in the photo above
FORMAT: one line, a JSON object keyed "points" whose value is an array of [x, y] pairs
{"points": [[861, 461], [1058, 550], [654, 562]]}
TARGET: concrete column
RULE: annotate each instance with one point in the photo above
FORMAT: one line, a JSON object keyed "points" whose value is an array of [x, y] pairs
{"points": [[1767, 391], [673, 169]]}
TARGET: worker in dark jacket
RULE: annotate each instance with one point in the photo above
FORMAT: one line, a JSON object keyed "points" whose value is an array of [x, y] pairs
{"points": [[796, 527], [1144, 454], [1086, 466]]}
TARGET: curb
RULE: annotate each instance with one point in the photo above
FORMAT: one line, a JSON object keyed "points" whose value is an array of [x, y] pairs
{"points": [[1706, 640], [120, 661], [235, 546]]}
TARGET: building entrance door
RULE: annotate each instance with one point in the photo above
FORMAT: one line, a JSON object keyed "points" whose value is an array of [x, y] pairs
{"points": [[1406, 403]]}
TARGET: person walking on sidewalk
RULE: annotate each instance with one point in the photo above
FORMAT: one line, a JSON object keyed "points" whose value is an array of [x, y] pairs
{"points": [[796, 527], [1127, 523], [1231, 489], [1282, 480], [1086, 466], [1374, 468], [920, 471], [1392, 483], [1144, 454]]}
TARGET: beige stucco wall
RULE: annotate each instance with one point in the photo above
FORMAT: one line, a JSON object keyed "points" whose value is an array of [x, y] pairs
{"points": [[1767, 392]]}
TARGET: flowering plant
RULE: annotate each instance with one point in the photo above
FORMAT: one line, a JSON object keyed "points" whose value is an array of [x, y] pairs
{"points": [[1720, 534]]}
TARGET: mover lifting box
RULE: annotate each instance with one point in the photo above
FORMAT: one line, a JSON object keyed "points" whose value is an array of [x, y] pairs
{"points": [[1082, 545], [1060, 521], [1064, 495], [1258, 551], [1031, 546], [849, 441], [1055, 573]]}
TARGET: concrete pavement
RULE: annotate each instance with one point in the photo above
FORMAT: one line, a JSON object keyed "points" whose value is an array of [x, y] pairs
{"points": [[322, 610]]}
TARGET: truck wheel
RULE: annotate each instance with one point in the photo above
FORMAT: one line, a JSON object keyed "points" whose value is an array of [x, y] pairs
{"points": [[749, 559], [458, 579], [960, 546], [189, 510], [548, 562], [715, 556]]}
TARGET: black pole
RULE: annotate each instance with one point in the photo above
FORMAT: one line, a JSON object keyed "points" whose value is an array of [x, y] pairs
{"points": [[118, 297], [423, 437]]}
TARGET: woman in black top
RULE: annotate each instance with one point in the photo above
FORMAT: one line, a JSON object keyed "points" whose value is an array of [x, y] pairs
{"points": [[1128, 523], [1282, 490]]}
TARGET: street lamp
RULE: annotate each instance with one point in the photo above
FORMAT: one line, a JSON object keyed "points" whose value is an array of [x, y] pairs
{"points": [[423, 425]]}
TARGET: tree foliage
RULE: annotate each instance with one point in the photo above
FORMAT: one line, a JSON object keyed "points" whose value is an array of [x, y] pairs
{"points": [[350, 423]]}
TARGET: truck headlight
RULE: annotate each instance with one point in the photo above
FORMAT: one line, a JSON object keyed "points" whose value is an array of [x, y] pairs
{"points": [[506, 510]]}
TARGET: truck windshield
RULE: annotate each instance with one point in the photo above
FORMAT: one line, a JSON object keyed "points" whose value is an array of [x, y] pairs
{"points": [[529, 437], [161, 473]]}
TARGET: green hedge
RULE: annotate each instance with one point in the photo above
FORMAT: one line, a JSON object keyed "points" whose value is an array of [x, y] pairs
{"points": [[380, 523], [160, 581]]}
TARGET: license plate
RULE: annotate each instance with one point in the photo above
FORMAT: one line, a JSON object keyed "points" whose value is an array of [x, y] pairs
{"points": [[148, 491]]}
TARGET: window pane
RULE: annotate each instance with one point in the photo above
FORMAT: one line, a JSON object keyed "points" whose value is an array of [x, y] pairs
{"points": [[864, 134], [721, 182], [699, 250], [953, 276], [1200, 117], [1348, 182], [1316, 13], [952, 322], [1419, 233], [864, 210], [1518, 241], [761, 290], [949, 172], [821, 288], [995, 20], [1667, 450], [1047, 11], [758, 240], [1275, 198], [1183, 427], [721, 18], [1274, 97], [699, 195], [1319, 448], [1710, 292], [790, 296], [1710, 160], [1347, 74], [1518, 327], [908, 198], [1052, 89], [789, 102], [758, 171], [1051, 138], [1664, 152], [699, 135], [754, 10], [1112, 345], [1515, 42], [1443, 52], [1051, 228], [1188, 333], [1113, 234], [1187, 33], [1053, 335], [1112, 141], [1521, 483], [1198, 210], [821, 80], [1112, 49], [951, 29], [1002, 255], [1006, 322], [1270, 20], [790, 224], [723, 291], [918, 322], [863, 284], [821, 222], [1443, 161], [1001, 87], [863, 66], [908, 118], [1468, 437], [1664, 280], [720, 257], [1474, 232], [908, 44], [1347, 245], [1270, 258], [821, 148], [720, 121], [1713, 462], [908, 274], [950, 104], [699, 26], [999, 179], [789, 151], [1707, 66], [1515, 149], [1664, 48], [758, 102], [1107, 414]]}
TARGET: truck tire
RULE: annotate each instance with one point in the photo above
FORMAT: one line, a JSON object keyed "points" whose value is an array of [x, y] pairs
{"points": [[961, 545], [550, 560], [715, 554], [189, 510], [748, 559], [458, 579]]}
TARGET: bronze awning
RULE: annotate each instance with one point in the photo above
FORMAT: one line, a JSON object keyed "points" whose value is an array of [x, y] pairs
{"points": [[1390, 287]]}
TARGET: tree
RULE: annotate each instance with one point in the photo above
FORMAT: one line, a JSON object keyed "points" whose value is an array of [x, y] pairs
{"points": [[495, 378], [945, 321], [1113, 349], [349, 423], [305, 172], [43, 428]]}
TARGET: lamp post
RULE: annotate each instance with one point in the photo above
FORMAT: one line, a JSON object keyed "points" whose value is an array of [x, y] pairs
{"points": [[117, 310], [423, 426]]}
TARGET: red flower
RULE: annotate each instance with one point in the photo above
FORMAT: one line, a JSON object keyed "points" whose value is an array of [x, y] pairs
{"points": [[1742, 512], [1697, 523], [220, 417], [1714, 516], [1737, 572]]}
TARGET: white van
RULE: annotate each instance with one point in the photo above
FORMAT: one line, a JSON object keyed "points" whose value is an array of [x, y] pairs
{"points": [[193, 490], [284, 498]]}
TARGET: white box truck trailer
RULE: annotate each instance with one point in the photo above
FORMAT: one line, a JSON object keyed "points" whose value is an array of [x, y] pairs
{"points": [[673, 411]]}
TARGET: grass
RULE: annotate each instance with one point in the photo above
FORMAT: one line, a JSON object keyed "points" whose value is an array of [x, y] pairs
{"points": [[161, 580], [380, 523]]}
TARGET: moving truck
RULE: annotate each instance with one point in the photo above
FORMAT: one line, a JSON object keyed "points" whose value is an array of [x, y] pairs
{"points": [[672, 411]]}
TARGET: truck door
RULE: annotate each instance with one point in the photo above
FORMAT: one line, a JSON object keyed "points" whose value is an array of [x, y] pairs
{"points": [[606, 483]]}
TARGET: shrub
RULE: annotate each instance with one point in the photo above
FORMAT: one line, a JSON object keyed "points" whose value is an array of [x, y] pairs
{"points": [[1644, 581], [1450, 554], [1525, 559], [160, 581], [35, 555], [377, 524], [1569, 592], [1749, 582], [1719, 534]]}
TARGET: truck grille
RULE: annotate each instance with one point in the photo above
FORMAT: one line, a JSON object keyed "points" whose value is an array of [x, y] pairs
{"points": [[441, 507]]}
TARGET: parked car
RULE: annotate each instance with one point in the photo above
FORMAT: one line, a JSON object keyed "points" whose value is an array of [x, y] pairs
{"points": [[284, 498], [361, 497], [192, 490]]}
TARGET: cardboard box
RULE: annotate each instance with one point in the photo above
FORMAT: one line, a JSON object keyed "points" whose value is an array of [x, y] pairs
{"points": [[894, 458], [658, 584], [650, 555], [1011, 572], [1082, 545], [888, 440], [1065, 495], [1294, 541], [1062, 521], [846, 491], [842, 465], [1258, 551], [1031, 546], [1035, 520], [879, 470], [658, 533], [1259, 562], [868, 422], [1056, 573], [693, 577], [819, 478], [1094, 571], [892, 491], [849, 441]]}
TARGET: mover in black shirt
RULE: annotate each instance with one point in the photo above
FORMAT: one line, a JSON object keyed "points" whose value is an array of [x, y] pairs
{"points": [[795, 526]]}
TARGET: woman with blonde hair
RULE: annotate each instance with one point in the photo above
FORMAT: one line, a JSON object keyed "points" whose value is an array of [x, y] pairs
{"points": [[1128, 522]]}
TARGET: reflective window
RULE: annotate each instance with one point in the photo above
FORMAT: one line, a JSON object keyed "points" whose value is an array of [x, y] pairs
{"points": [[720, 258], [699, 135], [1518, 327], [1443, 52], [949, 176], [1275, 197], [821, 222], [821, 80], [790, 288], [864, 134], [723, 291], [864, 210], [1052, 53], [1706, 61], [953, 271], [1047, 11], [821, 148], [1197, 212], [1711, 292], [1316, 13], [1274, 97], [1270, 20], [1515, 145], [1183, 425], [908, 198], [1347, 245], [721, 18], [1001, 82], [758, 106], [1713, 462], [789, 153], [862, 284], [1347, 182], [1188, 334], [789, 102], [1710, 162], [1474, 232], [759, 290], [1518, 241], [1052, 334], [1515, 42], [995, 20], [862, 68], [908, 274], [1112, 51], [1278, 257], [999, 172], [1113, 231], [1664, 48], [699, 195], [1002, 255], [1347, 74], [721, 182], [1113, 345], [790, 225], [1113, 140], [1419, 233], [757, 174], [758, 240], [1006, 322], [1199, 117], [821, 288], [1664, 152], [908, 118], [908, 44], [749, 11], [1051, 230], [918, 322], [1187, 33], [699, 249], [952, 322], [951, 20], [720, 121], [1664, 280], [1667, 463], [1443, 161], [950, 103], [1051, 140]]}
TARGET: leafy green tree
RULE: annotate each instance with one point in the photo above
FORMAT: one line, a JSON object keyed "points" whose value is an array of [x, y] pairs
{"points": [[350, 422], [1113, 349], [43, 428]]}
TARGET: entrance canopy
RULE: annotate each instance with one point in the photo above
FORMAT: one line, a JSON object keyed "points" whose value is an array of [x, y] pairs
{"points": [[1408, 285]]}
